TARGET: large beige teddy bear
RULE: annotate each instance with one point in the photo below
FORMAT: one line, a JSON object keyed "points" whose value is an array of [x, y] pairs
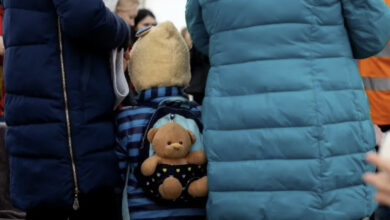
{"points": [[160, 58]]}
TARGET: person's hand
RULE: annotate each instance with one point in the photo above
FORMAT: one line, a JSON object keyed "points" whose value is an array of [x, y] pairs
{"points": [[378, 135], [380, 180], [126, 59], [126, 54], [2, 50]]}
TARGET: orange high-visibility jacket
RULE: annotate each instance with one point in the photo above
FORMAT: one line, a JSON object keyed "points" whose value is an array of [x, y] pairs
{"points": [[376, 77]]}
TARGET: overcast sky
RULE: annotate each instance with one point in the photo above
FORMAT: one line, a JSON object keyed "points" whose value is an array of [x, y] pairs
{"points": [[172, 10], [165, 10]]}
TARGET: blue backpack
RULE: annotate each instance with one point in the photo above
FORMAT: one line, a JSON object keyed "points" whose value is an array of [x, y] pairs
{"points": [[178, 110]]}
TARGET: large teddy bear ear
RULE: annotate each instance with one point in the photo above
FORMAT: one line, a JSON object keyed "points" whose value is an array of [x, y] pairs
{"points": [[192, 136], [151, 133]]}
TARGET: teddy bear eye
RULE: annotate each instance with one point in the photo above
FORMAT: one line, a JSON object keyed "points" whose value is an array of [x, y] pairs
{"points": [[181, 142], [169, 143]]}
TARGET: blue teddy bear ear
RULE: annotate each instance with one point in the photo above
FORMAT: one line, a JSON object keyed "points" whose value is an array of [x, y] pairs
{"points": [[143, 31]]}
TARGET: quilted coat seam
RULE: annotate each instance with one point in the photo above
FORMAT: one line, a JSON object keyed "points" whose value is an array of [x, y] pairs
{"points": [[28, 44], [279, 58], [269, 24], [281, 91], [10, 93], [30, 10], [316, 85], [291, 159], [302, 126], [289, 190]]}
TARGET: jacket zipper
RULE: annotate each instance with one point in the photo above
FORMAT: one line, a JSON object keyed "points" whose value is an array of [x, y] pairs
{"points": [[67, 117]]}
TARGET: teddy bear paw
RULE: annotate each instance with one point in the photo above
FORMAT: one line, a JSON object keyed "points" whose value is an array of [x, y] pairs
{"points": [[170, 189], [198, 188]]}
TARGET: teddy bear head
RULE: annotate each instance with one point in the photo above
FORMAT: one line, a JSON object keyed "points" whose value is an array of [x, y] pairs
{"points": [[171, 140], [160, 58]]}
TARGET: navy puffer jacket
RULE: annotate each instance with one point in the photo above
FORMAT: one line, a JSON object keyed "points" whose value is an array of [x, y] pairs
{"points": [[59, 98]]}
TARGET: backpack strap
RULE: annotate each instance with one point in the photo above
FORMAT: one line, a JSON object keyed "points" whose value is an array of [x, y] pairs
{"points": [[178, 102], [125, 205]]}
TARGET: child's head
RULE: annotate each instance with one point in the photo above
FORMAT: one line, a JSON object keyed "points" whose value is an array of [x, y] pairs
{"points": [[127, 10], [160, 58]]}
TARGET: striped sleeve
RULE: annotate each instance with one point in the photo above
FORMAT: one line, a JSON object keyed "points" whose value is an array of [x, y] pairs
{"points": [[121, 147], [130, 127]]}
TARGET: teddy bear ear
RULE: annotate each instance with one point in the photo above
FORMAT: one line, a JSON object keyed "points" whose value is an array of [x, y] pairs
{"points": [[192, 136], [151, 133], [143, 31]]}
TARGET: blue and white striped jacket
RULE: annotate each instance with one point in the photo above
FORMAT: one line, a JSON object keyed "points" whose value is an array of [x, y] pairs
{"points": [[132, 122]]}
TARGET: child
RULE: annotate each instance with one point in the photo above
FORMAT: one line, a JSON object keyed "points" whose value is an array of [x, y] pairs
{"points": [[128, 10], [159, 69]]}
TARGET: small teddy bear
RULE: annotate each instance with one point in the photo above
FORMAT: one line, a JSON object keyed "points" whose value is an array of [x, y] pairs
{"points": [[174, 169]]}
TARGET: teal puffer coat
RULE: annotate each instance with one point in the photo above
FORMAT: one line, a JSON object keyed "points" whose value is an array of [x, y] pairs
{"points": [[286, 119]]}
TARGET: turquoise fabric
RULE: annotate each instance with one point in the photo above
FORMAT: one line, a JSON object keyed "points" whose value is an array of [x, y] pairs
{"points": [[286, 120]]}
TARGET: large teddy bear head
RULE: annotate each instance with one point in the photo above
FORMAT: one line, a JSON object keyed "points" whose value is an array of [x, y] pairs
{"points": [[160, 58], [171, 140]]}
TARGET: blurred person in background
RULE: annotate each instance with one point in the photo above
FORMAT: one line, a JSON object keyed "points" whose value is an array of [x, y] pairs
{"points": [[285, 112], [375, 72], [145, 18], [59, 107], [200, 66], [111, 4], [128, 10]]}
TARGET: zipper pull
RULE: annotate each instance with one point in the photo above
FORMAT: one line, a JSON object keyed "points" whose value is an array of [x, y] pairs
{"points": [[76, 204]]}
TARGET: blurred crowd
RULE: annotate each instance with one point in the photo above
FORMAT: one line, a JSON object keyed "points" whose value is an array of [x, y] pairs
{"points": [[303, 69]]}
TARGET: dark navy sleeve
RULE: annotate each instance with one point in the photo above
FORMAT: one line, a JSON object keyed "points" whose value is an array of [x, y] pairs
{"points": [[92, 22]]}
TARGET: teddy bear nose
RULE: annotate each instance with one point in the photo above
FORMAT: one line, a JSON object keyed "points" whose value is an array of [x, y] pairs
{"points": [[177, 146]]}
